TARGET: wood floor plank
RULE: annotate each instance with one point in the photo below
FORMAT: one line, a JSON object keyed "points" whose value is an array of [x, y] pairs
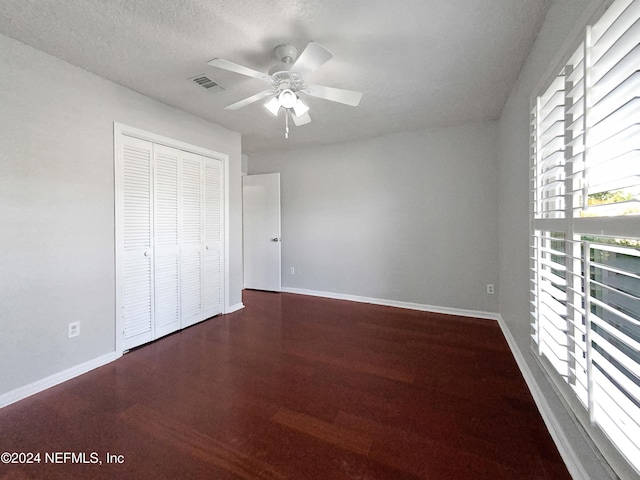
{"points": [[192, 442], [302, 388], [328, 432], [358, 366]]}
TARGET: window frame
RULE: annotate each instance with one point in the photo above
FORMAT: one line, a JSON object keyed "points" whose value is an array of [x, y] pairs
{"points": [[577, 251]]}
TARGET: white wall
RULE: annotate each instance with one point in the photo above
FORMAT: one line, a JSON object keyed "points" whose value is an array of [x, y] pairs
{"points": [[57, 207], [409, 217], [564, 21]]}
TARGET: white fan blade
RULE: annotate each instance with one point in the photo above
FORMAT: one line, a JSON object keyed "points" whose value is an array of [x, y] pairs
{"points": [[301, 120], [247, 101], [313, 56], [348, 97], [234, 67]]}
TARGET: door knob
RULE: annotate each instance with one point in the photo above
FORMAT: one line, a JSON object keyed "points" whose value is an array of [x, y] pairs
{"points": [[275, 239]]}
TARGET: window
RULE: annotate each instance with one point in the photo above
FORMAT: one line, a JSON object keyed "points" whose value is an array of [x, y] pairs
{"points": [[585, 216]]}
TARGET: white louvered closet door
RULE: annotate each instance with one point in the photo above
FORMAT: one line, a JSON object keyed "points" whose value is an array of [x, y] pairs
{"points": [[212, 255], [169, 254], [191, 239], [166, 241], [135, 224]]}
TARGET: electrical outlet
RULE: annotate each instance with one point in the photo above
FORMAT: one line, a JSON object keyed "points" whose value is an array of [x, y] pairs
{"points": [[490, 289], [292, 271], [74, 329]]}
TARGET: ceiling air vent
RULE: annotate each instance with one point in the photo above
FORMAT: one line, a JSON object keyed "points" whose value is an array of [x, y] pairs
{"points": [[206, 83]]}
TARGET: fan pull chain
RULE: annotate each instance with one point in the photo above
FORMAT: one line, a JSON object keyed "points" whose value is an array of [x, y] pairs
{"points": [[286, 123]]}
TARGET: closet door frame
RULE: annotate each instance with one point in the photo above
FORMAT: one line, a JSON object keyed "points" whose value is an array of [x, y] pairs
{"points": [[120, 131]]}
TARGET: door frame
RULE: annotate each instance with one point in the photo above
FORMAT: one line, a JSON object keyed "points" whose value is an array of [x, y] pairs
{"points": [[121, 130]]}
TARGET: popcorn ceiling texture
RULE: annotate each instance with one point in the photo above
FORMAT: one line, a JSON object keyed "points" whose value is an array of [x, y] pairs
{"points": [[419, 63]]}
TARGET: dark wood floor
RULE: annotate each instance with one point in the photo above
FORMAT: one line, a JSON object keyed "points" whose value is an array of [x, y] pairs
{"points": [[295, 387]]}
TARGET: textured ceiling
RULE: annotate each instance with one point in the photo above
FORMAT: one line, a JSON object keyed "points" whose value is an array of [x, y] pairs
{"points": [[419, 63]]}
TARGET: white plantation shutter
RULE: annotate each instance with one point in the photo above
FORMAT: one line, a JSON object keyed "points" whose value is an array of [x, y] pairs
{"points": [[585, 270], [613, 128], [575, 131], [167, 248], [551, 299], [549, 152], [575, 201], [212, 265], [614, 313], [191, 242], [137, 273]]}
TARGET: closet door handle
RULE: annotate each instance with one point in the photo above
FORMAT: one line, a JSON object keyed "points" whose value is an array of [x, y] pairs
{"points": [[275, 239], [147, 252]]}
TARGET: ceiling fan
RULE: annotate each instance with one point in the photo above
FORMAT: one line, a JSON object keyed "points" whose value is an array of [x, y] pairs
{"points": [[287, 82]]}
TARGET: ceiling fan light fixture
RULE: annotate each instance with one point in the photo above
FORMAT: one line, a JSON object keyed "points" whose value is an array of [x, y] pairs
{"points": [[300, 108], [273, 106], [287, 98]]}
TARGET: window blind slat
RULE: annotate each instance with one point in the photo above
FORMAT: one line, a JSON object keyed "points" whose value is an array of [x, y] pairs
{"points": [[608, 97], [622, 382], [630, 365], [609, 126], [620, 143], [618, 9], [550, 351], [576, 64], [616, 45], [616, 417], [551, 161], [624, 166]]}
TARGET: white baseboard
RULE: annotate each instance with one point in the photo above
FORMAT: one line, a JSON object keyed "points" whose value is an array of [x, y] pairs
{"points": [[234, 308], [395, 303], [55, 379]]}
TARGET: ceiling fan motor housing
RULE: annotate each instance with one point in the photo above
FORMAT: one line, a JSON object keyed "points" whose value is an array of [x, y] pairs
{"points": [[286, 53]]}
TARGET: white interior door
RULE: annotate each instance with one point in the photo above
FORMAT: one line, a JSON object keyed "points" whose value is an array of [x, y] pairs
{"points": [[261, 224]]}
